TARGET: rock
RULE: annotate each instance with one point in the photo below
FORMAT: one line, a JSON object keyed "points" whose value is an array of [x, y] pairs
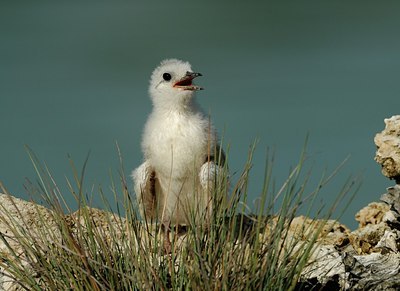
{"points": [[373, 213], [392, 199], [332, 232], [374, 272], [366, 238], [365, 259], [388, 148], [389, 241], [38, 226], [100, 221], [372, 227], [325, 263], [21, 217]]}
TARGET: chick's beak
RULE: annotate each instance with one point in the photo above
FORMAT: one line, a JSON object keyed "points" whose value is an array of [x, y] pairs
{"points": [[186, 82]]}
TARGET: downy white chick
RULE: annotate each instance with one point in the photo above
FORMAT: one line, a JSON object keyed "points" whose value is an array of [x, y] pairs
{"points": [[181, 154]]}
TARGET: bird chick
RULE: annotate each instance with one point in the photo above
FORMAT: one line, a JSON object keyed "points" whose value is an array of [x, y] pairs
{"points": [[181, 154]]}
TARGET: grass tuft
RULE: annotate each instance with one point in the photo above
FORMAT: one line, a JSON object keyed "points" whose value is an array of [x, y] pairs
{"points": [[92, 249]]}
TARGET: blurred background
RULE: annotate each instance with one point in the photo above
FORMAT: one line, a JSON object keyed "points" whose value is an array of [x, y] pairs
{"points": [[74, 78]]}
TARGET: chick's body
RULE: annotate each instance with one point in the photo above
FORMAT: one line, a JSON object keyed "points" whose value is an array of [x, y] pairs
{"points": [[175, 181], [176, 146]]}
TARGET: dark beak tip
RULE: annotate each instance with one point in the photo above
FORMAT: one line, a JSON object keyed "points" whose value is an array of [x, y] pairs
{"points": [[193, 74]]}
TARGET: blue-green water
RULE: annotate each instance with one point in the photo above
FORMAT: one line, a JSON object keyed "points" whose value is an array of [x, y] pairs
{"points": [[74, 77]]}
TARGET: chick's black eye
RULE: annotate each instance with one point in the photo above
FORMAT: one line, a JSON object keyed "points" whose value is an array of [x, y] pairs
{"points": [[166, 76]]}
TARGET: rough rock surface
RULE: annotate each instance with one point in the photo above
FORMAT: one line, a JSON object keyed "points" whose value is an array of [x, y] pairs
{"points": [[24, 217], [373, 213], [388, 148], [41, 225], [370, 260], [365, 259]]}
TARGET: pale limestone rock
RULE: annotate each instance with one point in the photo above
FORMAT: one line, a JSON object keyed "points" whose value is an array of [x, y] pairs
{"points": [[366, 238], [389, 241], [375, 272], [392, 199], [325, 263], [373, 233], [19, 217], [100, 222], [332, 232], [373, 213], [333, 258], [39, 226], [389, 216], [25, 217], [388, 148]]}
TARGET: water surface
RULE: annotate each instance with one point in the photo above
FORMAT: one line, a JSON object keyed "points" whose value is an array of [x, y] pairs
{"points": [[74, 77]]}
